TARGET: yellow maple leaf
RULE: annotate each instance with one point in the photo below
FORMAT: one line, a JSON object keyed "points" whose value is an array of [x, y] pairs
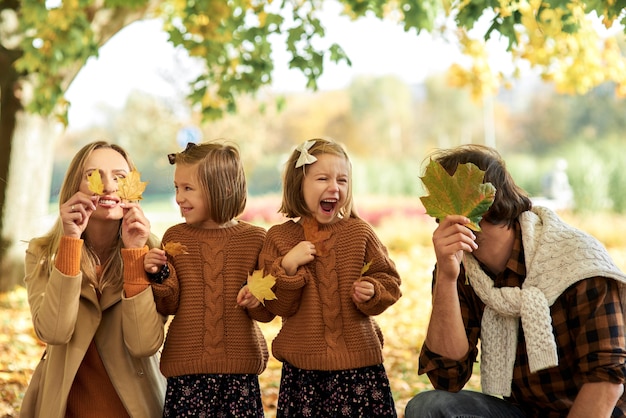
{"points": [[175, 248], [131, 187], [95, 183], [261, 286], [365, 268]]}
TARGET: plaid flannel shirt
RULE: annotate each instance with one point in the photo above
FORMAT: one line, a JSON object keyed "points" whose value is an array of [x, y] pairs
{"points": [[588, 325]]}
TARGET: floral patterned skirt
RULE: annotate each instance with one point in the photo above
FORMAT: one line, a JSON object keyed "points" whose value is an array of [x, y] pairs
{"points": [[213, 396], [363, 392]]}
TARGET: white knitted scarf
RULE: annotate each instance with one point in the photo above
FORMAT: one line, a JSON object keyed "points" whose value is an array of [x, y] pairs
{"points": [[556, 256]]}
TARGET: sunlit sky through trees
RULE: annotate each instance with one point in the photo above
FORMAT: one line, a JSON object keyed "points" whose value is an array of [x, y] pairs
{"points": [[140, 58]]}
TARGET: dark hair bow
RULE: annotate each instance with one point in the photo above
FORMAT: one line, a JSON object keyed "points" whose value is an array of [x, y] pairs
{"points": [[172, 157]]}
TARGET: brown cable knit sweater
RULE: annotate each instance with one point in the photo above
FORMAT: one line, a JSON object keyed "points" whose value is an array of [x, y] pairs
{"points": [[210, 333], [323, 329]]}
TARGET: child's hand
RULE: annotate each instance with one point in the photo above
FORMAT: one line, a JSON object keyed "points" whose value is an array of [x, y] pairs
{"points": [[245, 299], [298, 256], [362, 291], [154, 260]]}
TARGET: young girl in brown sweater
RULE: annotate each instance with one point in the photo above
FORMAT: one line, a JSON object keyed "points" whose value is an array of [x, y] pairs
{"points": [[214, 350], [332, 275]]}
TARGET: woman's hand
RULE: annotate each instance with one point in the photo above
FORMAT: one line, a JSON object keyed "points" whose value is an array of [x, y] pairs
{"points": [[135, 226], [75, 213]]}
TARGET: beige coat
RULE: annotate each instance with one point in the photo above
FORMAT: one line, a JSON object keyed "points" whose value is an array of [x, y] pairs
{"points": [[128, 332]]}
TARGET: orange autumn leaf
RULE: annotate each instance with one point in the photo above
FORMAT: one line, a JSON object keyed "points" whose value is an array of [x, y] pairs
{"points": [[175, 248], [131, 187], [95, 183], [261, 286], [312, 233]]}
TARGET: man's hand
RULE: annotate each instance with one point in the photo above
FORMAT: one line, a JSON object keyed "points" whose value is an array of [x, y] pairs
{"points": [[450, 239]]}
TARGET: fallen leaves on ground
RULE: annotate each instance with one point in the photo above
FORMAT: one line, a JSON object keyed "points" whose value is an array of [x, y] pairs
{"points": [[20, 351], [403, 325]]}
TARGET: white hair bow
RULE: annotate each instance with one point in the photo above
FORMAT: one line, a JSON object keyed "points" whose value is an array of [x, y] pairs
{"points": [[305, 157]]}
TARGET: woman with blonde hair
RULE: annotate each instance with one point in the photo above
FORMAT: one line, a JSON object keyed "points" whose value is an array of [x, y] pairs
{"points": [[90, 300]]}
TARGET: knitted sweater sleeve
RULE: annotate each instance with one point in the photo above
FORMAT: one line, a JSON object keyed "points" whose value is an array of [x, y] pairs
{"points": [[288, 289], [67, 260], [261, 314], [167, 293], [383, 275], [135, 279]]}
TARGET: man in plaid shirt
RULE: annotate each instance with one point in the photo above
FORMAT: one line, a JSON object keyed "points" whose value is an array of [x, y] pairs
{"points": [[544, 299]]}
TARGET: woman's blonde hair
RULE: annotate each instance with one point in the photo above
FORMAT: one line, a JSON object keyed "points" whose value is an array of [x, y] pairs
{"points": [[293, 204], [48, 244], [221, 174]]}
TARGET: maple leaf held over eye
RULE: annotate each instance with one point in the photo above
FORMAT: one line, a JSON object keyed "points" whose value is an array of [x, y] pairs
{"points": [[131, 187], [463, 193], [261, 286], [95, 183]]}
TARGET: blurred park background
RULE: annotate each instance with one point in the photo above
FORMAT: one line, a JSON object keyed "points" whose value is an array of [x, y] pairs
{"points": [[405, 95]]}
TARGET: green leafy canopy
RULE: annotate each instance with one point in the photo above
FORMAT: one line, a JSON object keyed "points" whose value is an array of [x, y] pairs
{"points": [[463, 193]]}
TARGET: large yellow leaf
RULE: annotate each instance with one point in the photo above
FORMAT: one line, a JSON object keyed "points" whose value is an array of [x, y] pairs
{"points": [[261, 286], [131, 187], [463, 193], [95, 183]]}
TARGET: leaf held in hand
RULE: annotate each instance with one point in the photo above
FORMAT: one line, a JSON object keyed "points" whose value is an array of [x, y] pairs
{"points": [[131, 187], [95, 183], [365, 268], [312, 233], [261, 286], [463, 193], [174, 248]]}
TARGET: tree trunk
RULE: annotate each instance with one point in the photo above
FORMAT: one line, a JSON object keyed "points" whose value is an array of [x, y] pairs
{"points": [[10, 105], [27, 144], [25, 208]]}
